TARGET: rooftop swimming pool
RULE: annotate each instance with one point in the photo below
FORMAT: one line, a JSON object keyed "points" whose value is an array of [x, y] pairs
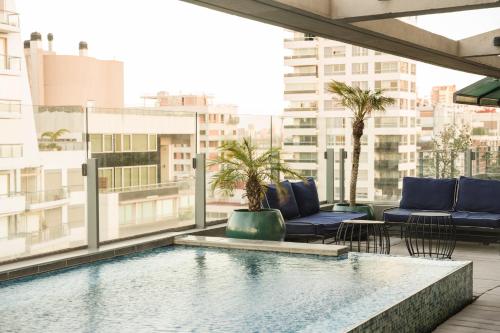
{"points": [[200, 289]]}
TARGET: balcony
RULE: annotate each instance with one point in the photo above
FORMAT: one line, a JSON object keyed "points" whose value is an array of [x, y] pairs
{"points": [[301, 74], [301, 161], [9, 21], [290, 92], [301, 126], [46, 199], [315, 144], [301, 109], [12, 203]]}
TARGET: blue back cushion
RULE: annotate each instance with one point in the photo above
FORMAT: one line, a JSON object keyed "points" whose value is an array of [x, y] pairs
{"points": [[478, 195], [428, 193], [287, 205], [306, 195]]}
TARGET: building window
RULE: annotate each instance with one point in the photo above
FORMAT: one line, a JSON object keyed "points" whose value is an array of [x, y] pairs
{"points": [[359, 51], [334, 51], [127, 142], [11, 151], [386, 67], [152, 142], [118, 142], [403, 67], [391, 85], [108, 143], [96, 143], [386, 122], [413, 86], [335, 69], [8, 106], [333, 104], [413, 69], [360, 68], [360, 84], [403, 85]]}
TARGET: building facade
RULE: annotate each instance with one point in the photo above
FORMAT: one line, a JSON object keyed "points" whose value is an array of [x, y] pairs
{"points": [[316, 120]]}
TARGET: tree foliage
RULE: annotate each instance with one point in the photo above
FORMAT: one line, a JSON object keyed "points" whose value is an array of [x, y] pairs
{"points": [[362, 103], [242, 165]]}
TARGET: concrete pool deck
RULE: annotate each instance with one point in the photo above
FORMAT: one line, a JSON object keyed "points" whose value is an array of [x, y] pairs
{"points": [[258, 245]]}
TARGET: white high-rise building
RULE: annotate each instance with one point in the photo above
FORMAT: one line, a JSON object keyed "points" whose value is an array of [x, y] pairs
{"points": [[315, 119]]}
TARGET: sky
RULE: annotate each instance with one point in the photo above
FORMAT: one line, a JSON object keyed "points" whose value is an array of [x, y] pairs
{"points": [[169, 45]]}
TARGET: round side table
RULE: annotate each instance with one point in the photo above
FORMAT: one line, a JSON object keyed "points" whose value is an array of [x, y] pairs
{"points": [[364, 236], [430, 234]]}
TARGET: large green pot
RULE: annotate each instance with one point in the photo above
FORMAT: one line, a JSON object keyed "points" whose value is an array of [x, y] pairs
{"points": [[359, 208], [267, 224]]}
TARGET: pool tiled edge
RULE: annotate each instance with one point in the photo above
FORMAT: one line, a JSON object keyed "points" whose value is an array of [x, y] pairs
{"points": [[426, 309], [68, 259], [259, 245]]}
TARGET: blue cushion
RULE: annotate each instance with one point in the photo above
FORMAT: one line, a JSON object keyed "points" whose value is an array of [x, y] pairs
{"points": [[398, 214], [287, 206], [306, 195], [428, 193], [321, 223], [476, 219], [478, 195]]}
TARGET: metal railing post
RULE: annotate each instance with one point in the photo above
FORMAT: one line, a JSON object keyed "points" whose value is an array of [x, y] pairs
{"points": [[92, 172], [420, 163], [200, 193], [330, 174], [342, 158]]}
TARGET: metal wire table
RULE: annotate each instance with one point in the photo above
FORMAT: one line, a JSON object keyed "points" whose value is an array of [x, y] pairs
{"points": [[364, 236], [430, 234]]}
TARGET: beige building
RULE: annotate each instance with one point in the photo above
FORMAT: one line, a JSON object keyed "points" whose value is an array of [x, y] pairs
{"points": [[72, 79], [442, 94]]}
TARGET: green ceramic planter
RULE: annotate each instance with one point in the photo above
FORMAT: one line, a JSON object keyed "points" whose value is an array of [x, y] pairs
{"points": [[359, 208], [267, 224]]}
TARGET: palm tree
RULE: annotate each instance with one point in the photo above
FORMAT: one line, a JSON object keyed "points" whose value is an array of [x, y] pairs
{"points": [[242, 165], [361, 103], [53, 137]]}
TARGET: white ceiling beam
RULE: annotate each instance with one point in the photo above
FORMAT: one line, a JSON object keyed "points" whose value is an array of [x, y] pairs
{"points": [[365, 10], [388, 35], [479, 45]]}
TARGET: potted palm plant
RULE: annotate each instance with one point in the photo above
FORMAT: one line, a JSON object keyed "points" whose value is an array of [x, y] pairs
{"points": [[361, 102], [242, 166]]}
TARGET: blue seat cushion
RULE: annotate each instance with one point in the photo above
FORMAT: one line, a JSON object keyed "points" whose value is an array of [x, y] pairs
{"points": [[320, 224], [398, 214], [476, 219], [287, 205], [428, 193], [478, 195], [306, 195]]}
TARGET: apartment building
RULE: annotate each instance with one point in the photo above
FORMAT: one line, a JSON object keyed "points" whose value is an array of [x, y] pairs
{"points": [[216, 123], [34, 208], [315, 120], [60, 79], [443, 94]]}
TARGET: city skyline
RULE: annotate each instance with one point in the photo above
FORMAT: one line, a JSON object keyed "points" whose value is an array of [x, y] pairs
{"points": [[221, 62]]}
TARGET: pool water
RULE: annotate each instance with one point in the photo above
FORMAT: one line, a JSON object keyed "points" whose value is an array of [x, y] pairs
{"points": [[195, 289]]}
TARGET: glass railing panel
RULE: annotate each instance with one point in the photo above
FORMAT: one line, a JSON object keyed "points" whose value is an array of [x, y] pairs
{"points": [[42, 194], [218, 128], [486, 162], [146, 176]]}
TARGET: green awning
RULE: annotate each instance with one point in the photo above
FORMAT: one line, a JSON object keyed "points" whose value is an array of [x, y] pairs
{"points": [[485, 92]]}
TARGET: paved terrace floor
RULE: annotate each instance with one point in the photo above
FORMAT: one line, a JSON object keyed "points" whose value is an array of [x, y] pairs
{"points": [[483, 315]]}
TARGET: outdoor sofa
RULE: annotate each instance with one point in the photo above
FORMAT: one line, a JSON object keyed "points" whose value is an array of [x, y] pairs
{"points": [[302, 213], [474, 205]]}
